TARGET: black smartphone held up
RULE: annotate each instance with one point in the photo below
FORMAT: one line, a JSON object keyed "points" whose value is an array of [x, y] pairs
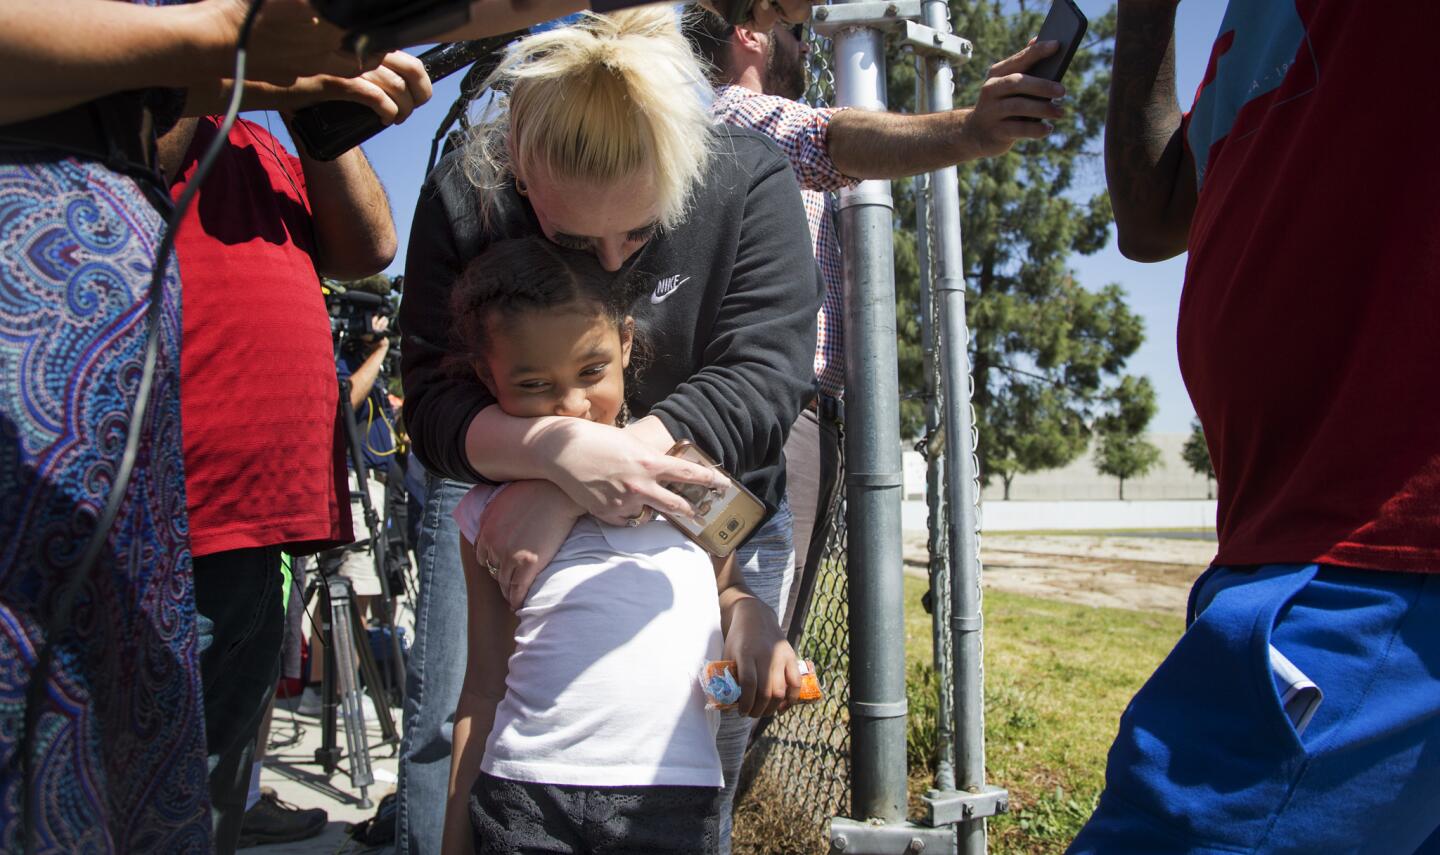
{"points": [[1065, 24], [331, 128]]}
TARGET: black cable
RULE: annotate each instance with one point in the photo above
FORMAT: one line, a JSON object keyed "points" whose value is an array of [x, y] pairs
{"points": [[59, 621], [471, 86]]}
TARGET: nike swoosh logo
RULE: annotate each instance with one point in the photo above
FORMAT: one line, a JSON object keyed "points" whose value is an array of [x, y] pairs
{"points": [[665, 287]]}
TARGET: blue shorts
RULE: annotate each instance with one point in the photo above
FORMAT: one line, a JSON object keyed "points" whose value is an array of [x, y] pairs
{"points": [[1208, 761]]}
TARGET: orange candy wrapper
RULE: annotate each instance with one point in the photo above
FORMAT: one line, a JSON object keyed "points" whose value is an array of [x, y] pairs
{"points": [[722, 689], [809, 683]]}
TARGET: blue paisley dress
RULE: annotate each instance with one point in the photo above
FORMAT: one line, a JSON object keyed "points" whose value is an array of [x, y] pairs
{"points": [[120, 744]]}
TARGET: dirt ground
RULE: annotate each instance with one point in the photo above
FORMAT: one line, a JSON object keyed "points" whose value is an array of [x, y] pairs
{"points": [[1130, 572]]}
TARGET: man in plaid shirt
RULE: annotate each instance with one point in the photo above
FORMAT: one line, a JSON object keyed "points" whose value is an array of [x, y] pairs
{"points": [[759, 77]]}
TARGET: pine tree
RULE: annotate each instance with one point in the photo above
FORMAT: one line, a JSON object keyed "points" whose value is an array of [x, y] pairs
{"points": [[1122, 450], [1196, 454], [1044, 349]]}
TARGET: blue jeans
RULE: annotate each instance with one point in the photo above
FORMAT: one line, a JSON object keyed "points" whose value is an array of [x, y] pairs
{"points": [[767, 561], [1208, 761], [239, 596], [433, 675]]}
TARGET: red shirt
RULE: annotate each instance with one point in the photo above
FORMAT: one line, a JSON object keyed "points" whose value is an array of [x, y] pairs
{"points": [[1309, 329], [258, 393]]}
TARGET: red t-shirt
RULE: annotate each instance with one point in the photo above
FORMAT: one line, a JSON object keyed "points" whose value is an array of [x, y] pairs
{"points": [[258, 393], [1309, 331]]}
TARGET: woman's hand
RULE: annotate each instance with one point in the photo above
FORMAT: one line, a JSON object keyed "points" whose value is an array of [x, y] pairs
{"points": [[521, 531], [615, 474], [765, 663]]}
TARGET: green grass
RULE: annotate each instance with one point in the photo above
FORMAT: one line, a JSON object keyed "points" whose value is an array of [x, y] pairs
{"points": [[1057, 677]]}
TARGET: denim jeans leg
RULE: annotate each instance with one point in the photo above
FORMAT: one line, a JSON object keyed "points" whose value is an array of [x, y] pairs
{"points": [[766, 562], [433, 674], [239, 595]]}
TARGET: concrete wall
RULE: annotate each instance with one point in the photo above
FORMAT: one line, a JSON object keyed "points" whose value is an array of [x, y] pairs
{"points": [[1082, 515], [1171, 479], [1078, 497]]}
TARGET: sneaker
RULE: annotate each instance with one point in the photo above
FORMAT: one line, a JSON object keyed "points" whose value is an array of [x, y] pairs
{"points": [[276, 821], [312, 705], [367, 708], [310, 702]]}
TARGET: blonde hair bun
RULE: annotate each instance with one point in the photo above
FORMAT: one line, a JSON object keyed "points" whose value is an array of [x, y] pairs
{"points": [[610, 98]]}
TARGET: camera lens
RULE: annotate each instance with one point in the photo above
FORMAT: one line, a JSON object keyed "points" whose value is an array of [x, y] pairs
{"points": [[732, 525]]}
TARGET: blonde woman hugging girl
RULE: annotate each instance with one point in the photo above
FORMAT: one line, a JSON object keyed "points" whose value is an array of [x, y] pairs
{"points": [[601, 740], [604, 148]]}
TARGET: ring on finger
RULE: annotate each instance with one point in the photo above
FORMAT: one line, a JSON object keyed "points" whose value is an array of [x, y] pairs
{"points": [[492, 570], [646, 514]]}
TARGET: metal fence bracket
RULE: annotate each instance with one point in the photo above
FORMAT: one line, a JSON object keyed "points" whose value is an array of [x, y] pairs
{"points": [[851, 837], [899, 16], [947, 807], [928, 41], [884, 15]]}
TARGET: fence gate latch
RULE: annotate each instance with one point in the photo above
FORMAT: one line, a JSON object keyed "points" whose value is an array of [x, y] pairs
{"points": [[852, 837], [898, 16], [947, 807]]}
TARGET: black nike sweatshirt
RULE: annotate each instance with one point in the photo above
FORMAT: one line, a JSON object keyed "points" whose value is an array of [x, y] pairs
{"points": [[729, 321]]}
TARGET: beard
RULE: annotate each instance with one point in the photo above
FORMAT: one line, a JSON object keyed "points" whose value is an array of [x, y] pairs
{"points": [[784, 72]]}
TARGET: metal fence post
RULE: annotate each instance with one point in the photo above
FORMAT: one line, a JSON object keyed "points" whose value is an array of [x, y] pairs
{"points": [[931, 447], [960, 470], [872, 447]]}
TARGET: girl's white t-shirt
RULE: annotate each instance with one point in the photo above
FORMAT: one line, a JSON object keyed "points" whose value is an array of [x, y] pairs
{"points": [[603, 686]]}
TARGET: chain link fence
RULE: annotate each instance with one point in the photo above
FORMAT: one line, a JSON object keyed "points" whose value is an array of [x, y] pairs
{"points": [[797, 772]]}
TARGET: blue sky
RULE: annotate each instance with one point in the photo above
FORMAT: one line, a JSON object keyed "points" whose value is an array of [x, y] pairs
{"points": [[399, 154]]}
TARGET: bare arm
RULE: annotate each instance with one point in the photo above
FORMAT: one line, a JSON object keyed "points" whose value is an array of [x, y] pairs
{"points": [[57, 55], [493, 17], [362, 380], [869, 144], [1150, 171], [873, 144], [354, 231], [491, 640]]}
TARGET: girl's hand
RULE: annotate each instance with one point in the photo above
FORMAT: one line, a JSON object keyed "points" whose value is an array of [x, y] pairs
{"points": [[521, 531], [767, 668], [614, 474]]}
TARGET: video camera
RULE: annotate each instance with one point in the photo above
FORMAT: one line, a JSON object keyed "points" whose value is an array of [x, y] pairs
{"points": [[354, 306]]}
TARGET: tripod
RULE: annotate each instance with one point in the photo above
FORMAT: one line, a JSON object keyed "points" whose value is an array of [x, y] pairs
{"points": [[378, 543], [344, 632], [347, 640]]}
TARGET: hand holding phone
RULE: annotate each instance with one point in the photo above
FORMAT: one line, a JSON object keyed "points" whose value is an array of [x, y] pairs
{"points": [[725, 518], [1066, 25]]}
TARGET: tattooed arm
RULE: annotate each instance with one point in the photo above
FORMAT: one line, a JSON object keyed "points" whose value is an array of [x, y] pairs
{"points": [[1147, 165]]}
